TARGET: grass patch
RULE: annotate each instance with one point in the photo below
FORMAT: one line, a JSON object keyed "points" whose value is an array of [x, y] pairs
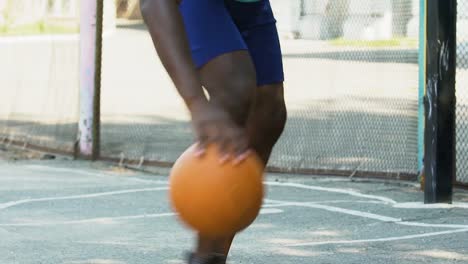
{"points": [[395, 42], [39, 29]]}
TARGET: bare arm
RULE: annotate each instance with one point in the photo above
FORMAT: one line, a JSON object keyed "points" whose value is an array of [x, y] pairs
{"points": [[166, 27], [211, 123]]}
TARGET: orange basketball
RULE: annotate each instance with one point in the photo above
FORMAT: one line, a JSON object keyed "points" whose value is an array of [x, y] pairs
{"points": [[216, 199]]}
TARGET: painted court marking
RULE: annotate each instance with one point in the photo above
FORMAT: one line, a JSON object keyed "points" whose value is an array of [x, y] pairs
{"points": [[111, 220], [386, 239], [81, 196], [372, 216], [275, 203], [271, 207], [98, 220], [420, 205], [281, 184], [94, 174], [334, 190]]}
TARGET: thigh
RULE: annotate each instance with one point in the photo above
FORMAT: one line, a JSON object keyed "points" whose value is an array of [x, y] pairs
{"points": [[210, 29], [231, 83], [257, 25]]}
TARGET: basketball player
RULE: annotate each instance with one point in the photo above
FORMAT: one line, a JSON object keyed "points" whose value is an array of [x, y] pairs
{"points": [[230, 48]]}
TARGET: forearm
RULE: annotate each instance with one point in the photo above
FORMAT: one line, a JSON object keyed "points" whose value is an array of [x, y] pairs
{"points": [[165, 25]]}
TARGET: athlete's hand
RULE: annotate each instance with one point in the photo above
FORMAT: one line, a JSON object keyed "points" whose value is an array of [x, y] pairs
{"points": [[213, 125]]}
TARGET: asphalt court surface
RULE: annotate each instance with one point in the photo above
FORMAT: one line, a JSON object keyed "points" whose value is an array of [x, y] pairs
{"points": [[77, 213]]}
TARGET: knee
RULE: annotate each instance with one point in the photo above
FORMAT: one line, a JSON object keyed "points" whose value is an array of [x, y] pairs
{"points": [[231, 81], [271, 108], [239, 96], [278, 119], [282, 113], [270, 100], [241, 90], [268, 119]]}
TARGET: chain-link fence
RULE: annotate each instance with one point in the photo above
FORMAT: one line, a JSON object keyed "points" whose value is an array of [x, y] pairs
{"points": [[462, 92], [39, 50], [142, 115], [351, 89], [351, 71]]}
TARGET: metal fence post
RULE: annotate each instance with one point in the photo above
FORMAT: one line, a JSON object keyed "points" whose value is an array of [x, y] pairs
{"points": [[90, 70], [440, 101], [422, 82]]}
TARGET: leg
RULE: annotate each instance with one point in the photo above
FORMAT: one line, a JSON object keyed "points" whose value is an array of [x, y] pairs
{"points": [[231, 83], [267, 119], [229, 65], [265, 125]]}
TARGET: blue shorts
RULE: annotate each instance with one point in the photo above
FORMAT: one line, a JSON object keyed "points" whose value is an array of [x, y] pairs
{"points": [[216, 27]]}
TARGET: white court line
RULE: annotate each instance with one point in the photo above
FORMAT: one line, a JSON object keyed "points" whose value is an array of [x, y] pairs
{"points": [[386, 239], [274, 203], [386, 200], [342, 210], [378, 217], [406, 223], [94, 174], [279, 203], [420, 205], [334, 190], [102, 220], [81, 196], [294, 185], [110, 220], [266, 211], [282, 184]]}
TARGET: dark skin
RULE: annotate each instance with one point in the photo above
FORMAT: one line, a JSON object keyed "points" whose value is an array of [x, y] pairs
{"points": [[239, 116]]}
